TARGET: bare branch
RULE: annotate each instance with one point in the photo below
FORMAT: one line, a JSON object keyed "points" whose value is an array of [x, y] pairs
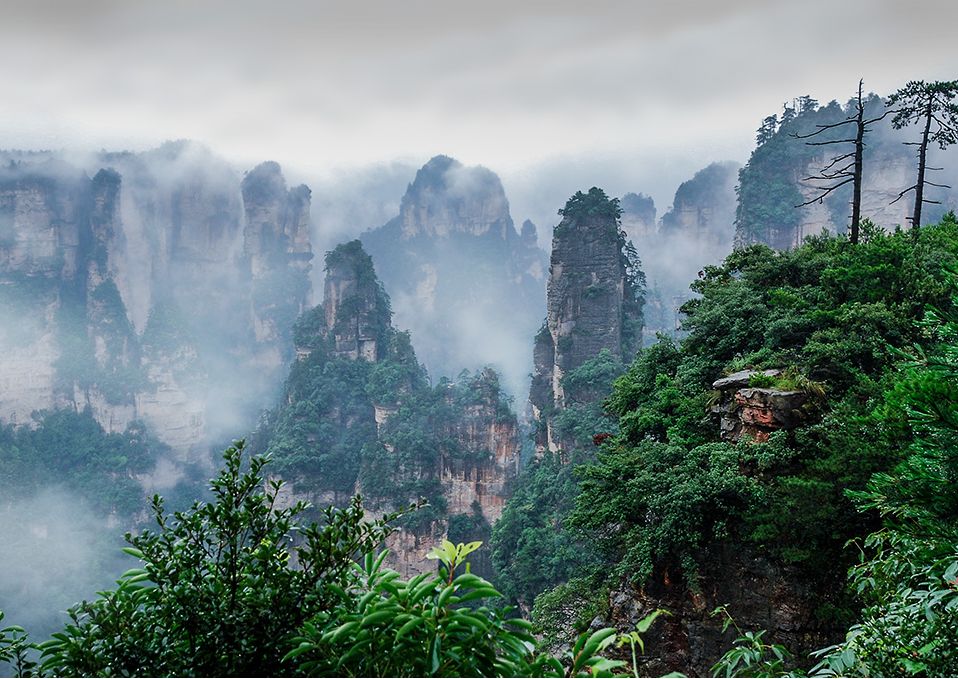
{"points": [[822, 128], [828, 176], [881, 117], [834, 141], [940, 186], [838, 159], [910, 188], [825, 192]]}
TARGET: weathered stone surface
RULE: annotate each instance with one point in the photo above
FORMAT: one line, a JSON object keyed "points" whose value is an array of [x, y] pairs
{"points": [[357, 313], [741, 378], [461, 279], [753, 412], [90, 261], [589, 309], [758, 593], [477, 441]]}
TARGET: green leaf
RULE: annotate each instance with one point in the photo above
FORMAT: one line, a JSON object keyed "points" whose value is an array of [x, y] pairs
{"points": [[643, 625], [435, 655], [481, 593], [343, 630], [409, 627], [444, 595], [377, 617]]}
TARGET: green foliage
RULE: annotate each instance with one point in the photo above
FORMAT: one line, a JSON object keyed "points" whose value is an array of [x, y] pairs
{"points": [[768, 192], [218, 593], [326, 437], [595, 203], [659, 505], [72, 449], [651, 400], [386, 627], [751, 656], [907, 575], [790, 379], [591, 380], [917, 99], [533, 548], [570, 608], [240, 587], [662, 494], [15, 650]]}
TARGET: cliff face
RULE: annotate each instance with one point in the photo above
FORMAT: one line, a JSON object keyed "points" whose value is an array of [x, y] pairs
{"points": [[357, 314], [140, 290], [360, 417], [757, 593], [459, 275], [592, 306]]}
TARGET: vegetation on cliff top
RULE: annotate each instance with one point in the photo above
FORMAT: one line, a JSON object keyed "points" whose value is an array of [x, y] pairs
{"points": [[665, 493]]}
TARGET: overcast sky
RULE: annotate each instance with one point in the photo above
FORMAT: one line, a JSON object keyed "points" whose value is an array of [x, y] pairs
{"points": [[508, 84]]}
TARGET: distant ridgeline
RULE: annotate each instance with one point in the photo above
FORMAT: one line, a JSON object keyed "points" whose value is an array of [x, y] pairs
{"points": [[771, 183], [359, 416], [461, 278], [163, 290]]}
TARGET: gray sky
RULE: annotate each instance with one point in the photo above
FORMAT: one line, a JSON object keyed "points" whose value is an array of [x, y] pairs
{"points": [[510, 85]]}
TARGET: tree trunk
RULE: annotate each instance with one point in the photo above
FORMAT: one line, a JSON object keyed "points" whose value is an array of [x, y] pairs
{"points": [[859, 153], [920, 185]]}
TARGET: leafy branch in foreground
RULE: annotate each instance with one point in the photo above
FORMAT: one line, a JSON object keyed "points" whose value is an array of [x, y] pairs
{"points": [[750, 656], [223, 587], [240, 587], [14, 649]]}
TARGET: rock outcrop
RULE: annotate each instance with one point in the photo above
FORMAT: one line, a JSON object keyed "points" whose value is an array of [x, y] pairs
{"points": [[460, 277], [754, 412], [593, 304], [156, 290], [356, 311]]}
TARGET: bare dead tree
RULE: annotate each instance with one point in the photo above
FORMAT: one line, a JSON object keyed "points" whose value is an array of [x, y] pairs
{"points": [[916, 102], [846, 168]]}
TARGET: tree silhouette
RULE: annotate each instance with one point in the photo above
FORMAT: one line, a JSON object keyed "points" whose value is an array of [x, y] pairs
{"points": [[852, 170], [918, 102]]}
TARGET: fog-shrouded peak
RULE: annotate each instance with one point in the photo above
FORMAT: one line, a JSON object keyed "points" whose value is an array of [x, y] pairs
{"points": [[460, 277], [447, 197]]}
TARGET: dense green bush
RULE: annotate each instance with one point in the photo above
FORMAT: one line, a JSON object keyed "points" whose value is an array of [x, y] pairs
{"points": [[216, 594], [533, 548]]}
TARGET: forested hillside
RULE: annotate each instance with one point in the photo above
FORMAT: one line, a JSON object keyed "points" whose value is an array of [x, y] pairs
{"points": [[670, 513]]}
